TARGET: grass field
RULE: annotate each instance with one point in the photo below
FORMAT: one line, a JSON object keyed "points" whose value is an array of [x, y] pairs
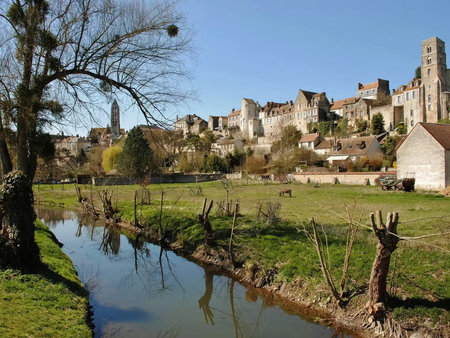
{"points": [[419, 277], [51, 302]]}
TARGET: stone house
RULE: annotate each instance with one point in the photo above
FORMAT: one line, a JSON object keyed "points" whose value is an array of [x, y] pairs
{"points": [[310, 107], [310, 141], [274, 116], [351, 149], [234, 119], [222, 123], [407, 104], [373, 90], [224, 146], [250, 118], [356, 108], [190, 123], [425, 156]]}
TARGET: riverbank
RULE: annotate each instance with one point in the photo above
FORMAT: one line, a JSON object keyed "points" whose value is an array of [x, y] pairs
{"points": [[279, 257], [50, 302]]}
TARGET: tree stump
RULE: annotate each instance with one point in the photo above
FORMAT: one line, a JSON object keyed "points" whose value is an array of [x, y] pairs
{"points": [[387, 243], [203, 219]]}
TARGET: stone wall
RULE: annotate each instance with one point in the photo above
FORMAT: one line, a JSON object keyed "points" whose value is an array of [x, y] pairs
{"points": [[157, 179], [342, 178]]}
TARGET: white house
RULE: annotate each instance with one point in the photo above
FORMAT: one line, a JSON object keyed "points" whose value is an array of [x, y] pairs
{"points": [[425, 155]]}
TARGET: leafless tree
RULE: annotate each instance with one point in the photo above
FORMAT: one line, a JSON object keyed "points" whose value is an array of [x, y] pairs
{"points": [[60, 58]]}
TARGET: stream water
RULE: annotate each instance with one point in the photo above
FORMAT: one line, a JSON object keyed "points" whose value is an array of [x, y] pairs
{"points": [[138, 290]]}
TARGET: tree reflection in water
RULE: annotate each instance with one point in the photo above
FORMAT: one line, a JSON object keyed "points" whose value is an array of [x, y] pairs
{"points": [[204, 300], [110, 240]]}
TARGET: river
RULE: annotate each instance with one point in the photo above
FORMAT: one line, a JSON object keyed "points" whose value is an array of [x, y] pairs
{"points": [[138, 290]]}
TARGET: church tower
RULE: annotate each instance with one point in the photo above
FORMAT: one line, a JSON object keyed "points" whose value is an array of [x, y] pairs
{"points": [[115, 120], [434, 77]]}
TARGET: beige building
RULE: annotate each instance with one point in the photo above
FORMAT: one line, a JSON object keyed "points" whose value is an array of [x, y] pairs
{"points": [[407, 105], [310, 107], [224, 146], [425, 156], [274, 116], [351, 149], [234, 119], [373, 90], [249, 118]]}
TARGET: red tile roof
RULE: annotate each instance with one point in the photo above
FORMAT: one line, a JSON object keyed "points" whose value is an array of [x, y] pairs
{"points": [[339, 104], [440, 132], [368, 86], [309, 137]]}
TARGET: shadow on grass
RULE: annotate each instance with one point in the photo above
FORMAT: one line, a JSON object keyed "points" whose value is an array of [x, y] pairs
{"points": [[412, 303], [45, 271]]}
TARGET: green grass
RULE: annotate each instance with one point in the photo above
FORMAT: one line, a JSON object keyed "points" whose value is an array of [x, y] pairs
{"points": [[51, 302], [419, 269]]}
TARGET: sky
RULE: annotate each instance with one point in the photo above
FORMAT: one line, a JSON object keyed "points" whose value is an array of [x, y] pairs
{"points": [[268, 50]]}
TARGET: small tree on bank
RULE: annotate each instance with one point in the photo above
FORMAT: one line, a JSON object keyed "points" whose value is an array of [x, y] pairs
{"points": [[136, 157]]}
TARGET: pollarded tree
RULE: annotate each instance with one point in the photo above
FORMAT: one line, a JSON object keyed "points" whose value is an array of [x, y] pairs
{"points": [[136, 157], [63, 57], [377, 124]]}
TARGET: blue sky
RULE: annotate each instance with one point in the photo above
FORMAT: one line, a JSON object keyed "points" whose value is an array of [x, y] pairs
{"points": [[268, 50]]}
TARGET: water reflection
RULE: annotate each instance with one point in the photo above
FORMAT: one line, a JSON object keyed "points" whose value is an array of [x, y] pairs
{"points": [[204, 300], [140, 290]]}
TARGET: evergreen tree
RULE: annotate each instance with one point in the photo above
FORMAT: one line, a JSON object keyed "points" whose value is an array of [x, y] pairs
{"points": [[135, 160], [377, 124]]}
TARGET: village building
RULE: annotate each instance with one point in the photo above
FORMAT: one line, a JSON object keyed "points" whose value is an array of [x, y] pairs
{"points": [[324, 147], [222, 123], [406, 104], [190, 124], [274, 116], [425, 156], [234, 119], [351, 149], [249, 118], [310, 141], [310, 107], [227, 146], [373, 90]]}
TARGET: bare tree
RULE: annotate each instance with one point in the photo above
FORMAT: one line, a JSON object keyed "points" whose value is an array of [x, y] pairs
{"points": [[63, 57]]}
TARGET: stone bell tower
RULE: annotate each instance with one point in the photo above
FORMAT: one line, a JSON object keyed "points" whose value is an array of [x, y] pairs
{"points": [[115, 120]]}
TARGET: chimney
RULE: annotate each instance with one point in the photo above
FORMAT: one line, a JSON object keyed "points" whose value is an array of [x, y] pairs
{"points": [[359, 86], [232, 110], [332, 100], [393, 91], [177, 117], [291, 103]]}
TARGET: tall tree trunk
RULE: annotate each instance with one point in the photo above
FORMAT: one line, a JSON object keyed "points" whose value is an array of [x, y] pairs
{"points": [[388, 239], [4, 152], [18, 248]]}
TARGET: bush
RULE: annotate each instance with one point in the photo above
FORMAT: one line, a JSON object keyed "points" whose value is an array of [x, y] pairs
{"points": [[255, 165]]}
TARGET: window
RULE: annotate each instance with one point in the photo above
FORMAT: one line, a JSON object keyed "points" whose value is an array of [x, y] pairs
{"points": [[428, 61], [429, 98], [298, 116], [414, 94], [412, 123], [361, 114], [411, 113], [346, 115], [429, 107], [399, 99], [353, 114], [428, 49], [407, 96], [429, 72]]}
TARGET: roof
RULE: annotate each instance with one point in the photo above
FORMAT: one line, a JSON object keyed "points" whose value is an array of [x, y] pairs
{"points": [[325, 144], [354, 146], [339, 104], [368, 86], [440, 132], [309, 137], [234, 113], [249, 101]]}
